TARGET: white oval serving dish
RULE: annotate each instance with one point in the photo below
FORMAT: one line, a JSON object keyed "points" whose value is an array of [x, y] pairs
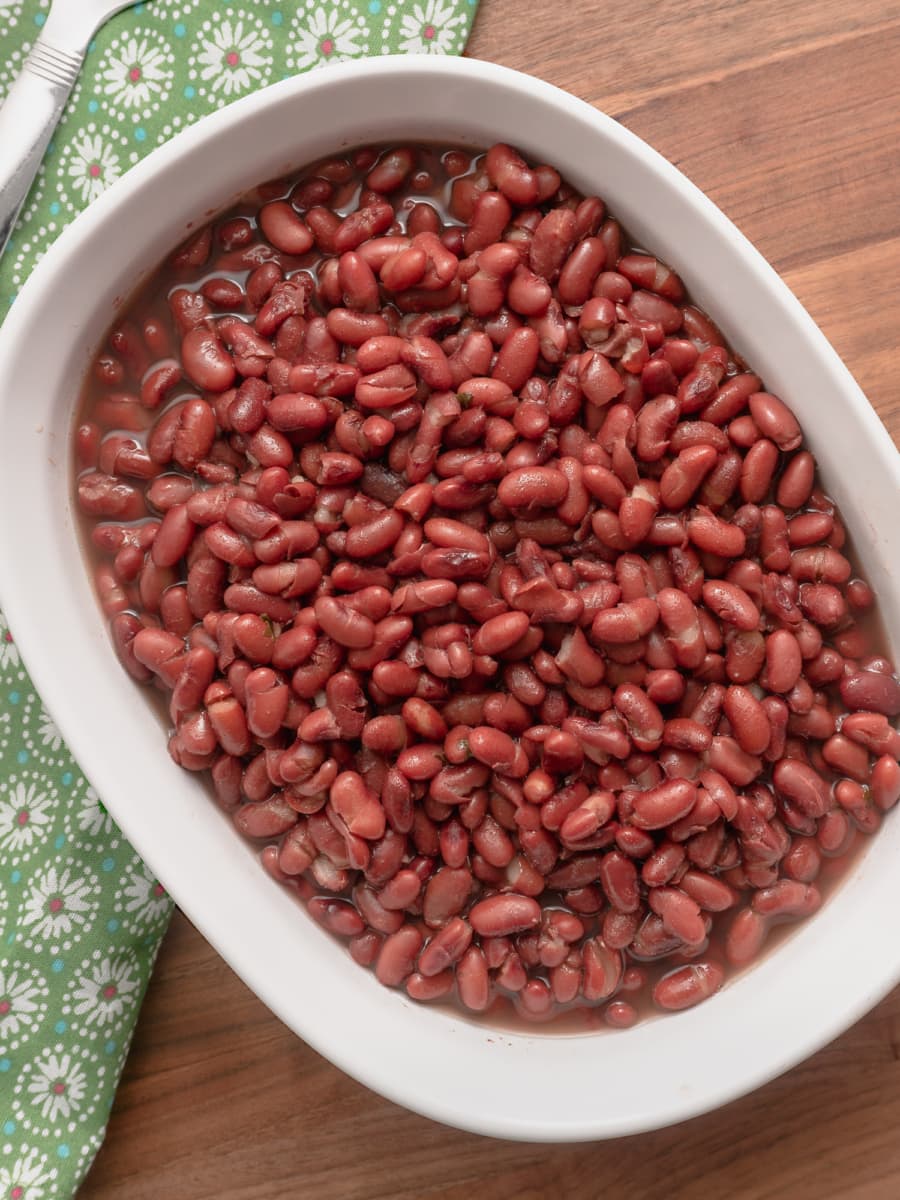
{"points": [[536, 1087]]}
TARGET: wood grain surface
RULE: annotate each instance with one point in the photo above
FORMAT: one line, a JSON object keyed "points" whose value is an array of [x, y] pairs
{"points": [[788, 115]]}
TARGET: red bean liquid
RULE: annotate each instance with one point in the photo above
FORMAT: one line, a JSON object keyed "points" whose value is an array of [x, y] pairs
{"points": [[496, 596]]}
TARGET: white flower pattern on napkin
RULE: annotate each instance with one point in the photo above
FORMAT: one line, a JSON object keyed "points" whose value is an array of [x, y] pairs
{"points": [[324, 34], [59, 903], [57, 1084]]}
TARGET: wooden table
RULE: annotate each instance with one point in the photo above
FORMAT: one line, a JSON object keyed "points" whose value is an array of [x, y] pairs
{"points": [[788, 115]]}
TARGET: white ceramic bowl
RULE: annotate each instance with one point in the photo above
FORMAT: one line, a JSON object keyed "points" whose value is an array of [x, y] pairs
{"points": [[540, 1087]]}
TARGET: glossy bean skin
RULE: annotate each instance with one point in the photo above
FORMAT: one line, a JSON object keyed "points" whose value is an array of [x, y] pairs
{"points": [[500, 599]]}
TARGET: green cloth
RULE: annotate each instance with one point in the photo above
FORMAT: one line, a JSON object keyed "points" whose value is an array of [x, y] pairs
{"points": [[81, 918]]}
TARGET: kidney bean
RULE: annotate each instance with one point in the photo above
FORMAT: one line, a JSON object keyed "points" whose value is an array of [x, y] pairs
{"points": [[165, 491], [500, 916], [173, 538], [681, 619], [656, 423], [532, 488], [688, 985], [819, 565], [495, 749], [760, 463], [871, 691], [722, 480], [124, 627], [680, 914], [744, 432], [489, 216], [708, 532], [401, 891], [664, 686], [626, 622], [296, 413], [873, 731], [710, 893], [189, 311], [565, 979], [397, 956], [344, 624], [268, 818], [444, 531], [745, 938], [698, 433], [664, 804], [206, 361], [884, 782], [500, 633], [682, 477], [649, 308], [784, 661], [685, 734], [160, 651], [337, 916], [449, 563], [730, 399], [446, 947], [551, 243], [646, 271], [391, 170], [634, 842], [509, 173], [809, 528], [803, 861], [786, 898], [726, 756], [579, 662], [364, 948], [701, 384], [107, 497], [834, 833], [601, 970], [731, 604], [580, 270], [823, 604], [421, 762], [802, 785], [662, 864], [385, 734], [775, 420], [644, 720], [284, 228], [357, 806], [472, 980], [851, 642], [267, 700], [748, 719], [584, 821]]}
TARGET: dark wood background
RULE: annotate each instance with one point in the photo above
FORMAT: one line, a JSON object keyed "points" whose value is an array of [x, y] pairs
{"points": [[788, 115]]}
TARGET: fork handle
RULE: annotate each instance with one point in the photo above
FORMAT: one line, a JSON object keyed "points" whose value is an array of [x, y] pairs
{"points": [[28, 117]]}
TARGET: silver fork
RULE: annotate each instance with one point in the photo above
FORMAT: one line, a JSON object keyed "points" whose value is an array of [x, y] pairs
{"points": [[36, 99]]}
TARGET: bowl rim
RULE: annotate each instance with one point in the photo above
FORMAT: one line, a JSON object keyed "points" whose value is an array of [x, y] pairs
{"points": [[382, 1078]]}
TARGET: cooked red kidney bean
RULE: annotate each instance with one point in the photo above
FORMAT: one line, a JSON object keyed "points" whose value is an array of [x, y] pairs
{"points": [[515, 625], [871, 691], [680, 914], [687, 986], [499, 916], [284, 228], [663, 805]]}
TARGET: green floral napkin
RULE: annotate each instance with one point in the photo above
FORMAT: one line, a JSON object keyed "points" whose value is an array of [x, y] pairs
{"points": [[81, 917]]}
